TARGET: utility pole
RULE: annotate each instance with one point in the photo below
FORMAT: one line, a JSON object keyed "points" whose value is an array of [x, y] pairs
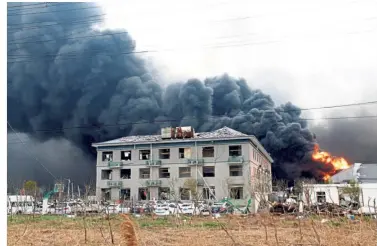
{"points": [[69, 184], [72, 190]]}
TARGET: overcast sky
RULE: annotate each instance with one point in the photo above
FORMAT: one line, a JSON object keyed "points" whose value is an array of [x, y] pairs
{"points": [[313, 53]]}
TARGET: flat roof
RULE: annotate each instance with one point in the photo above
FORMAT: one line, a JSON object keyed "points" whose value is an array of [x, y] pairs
{"points": [[224, 133]]}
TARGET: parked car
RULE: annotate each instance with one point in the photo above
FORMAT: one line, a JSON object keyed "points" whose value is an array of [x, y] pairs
{"points": [[162, 212], [186, 208], [63, 208]]}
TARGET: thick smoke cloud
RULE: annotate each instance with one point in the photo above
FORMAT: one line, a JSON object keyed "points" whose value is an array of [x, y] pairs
{"points": [[58, 79], [356, 139], [62, 158]]}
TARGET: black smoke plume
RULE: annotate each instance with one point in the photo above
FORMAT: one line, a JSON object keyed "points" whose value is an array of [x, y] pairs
{"points": [[62, 73]]}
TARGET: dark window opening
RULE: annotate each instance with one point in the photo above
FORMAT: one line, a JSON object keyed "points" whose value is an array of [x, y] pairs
{"points": [[106, 194], [185, 172], [164, 153], [106, 174], [143, 194], [107, 156], [184, 193], [125, 155], [164, 172], [235, 170], [208, 152], [164, 193], [144, 154], [236, 193], [208, 171], [209, 193], [125, 173], [125, 194], [321, 197], [184, 153], [235, 150], [144, 173]]}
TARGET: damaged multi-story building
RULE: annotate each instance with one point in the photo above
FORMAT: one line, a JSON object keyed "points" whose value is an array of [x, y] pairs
{"points": [[184, 165]]}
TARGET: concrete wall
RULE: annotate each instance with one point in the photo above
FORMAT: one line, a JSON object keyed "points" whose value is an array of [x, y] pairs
{"points": [[222, 180], [368, 193]]}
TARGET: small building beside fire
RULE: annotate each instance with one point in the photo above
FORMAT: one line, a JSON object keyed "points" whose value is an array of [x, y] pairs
{"points": [[355, 186], [179, 164]]}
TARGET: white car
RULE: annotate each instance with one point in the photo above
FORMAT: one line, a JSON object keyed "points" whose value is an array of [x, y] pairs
{"points": [[186, 208], [161, 212], [63, 208], [116, 209]]}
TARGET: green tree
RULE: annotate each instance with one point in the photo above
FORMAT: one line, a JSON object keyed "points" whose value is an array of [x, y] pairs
{"points": [[30, 187]]}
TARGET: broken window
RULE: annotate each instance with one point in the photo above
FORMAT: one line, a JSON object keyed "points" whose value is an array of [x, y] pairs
{"points": [[184, 153], [143, 194], [164, 193], [125, 155], [106, 194], [164, 172], [209, 171], [144, 154], [236, 193], [125, 194], [107, 156], [106, 174], [209, 193], [321, 197], [144, 173], [125, 173], [184, 193], [208, 152], [185, 172], [235, 150], [164, 153], [235, 170]]}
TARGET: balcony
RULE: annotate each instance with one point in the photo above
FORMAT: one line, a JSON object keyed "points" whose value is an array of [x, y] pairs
{"points": [[195, 162], [155, 163], [115, 164], [235, 159], [151, 183], [114, 184]]}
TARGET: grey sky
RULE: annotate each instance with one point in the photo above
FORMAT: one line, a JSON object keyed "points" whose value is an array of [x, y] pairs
{"points": [[313, 53]]}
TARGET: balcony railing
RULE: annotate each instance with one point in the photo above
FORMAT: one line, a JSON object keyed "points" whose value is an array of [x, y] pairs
{"points": [[151, 183], [115, 164], [235, 159], [195, 161], [153, 163], [114, 184]]}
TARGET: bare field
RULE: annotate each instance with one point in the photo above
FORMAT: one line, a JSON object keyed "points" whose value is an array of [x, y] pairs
{"points": [[229, 230]]}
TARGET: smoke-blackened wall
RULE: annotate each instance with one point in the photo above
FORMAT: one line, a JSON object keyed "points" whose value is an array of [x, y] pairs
{"points": [[65, 74]]}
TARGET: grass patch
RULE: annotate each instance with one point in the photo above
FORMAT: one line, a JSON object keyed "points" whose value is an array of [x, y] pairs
{"points": [[155, 223]]}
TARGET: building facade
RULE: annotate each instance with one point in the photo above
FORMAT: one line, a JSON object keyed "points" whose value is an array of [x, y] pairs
{"points": [[175, 165]]}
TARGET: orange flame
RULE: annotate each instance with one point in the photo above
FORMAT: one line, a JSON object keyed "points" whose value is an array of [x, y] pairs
{"points": [[338, 163]]}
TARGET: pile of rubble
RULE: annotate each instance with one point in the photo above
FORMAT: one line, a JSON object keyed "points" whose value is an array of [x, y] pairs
{"points": [[320, 208]]}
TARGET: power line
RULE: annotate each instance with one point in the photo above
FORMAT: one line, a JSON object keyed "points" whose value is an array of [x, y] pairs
{"points": [[178, 120], [71, 21], [168, 121], [166, 50], [45, 5], [69, 38], [55, 11], [10, 126], [24, 5], [335, 106]]}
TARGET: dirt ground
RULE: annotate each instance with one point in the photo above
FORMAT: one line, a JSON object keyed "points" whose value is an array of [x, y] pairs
{"points": [[230, 230]]}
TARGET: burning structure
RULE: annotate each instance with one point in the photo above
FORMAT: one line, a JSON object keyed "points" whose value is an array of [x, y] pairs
{"points": [[91, 85], [335, 163], [195, 166]]}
